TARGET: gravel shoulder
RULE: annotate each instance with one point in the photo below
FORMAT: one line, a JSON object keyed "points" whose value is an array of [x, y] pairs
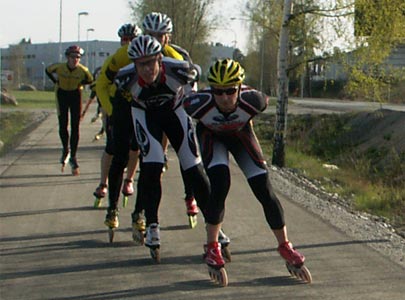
{"points": [[372, 230]]}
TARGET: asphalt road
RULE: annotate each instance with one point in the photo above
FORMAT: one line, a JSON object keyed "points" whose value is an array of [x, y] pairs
{"points": [[54, 245], [327, 106]]}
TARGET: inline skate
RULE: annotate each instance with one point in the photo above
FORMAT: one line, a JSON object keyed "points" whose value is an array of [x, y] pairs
{"points": [[224, 240], [74, 165], [112, 222], [63, 160], [152, 241], [216, 264], [138, 228], [99, 193], [127, 190], [294, 262], [192, 211]]}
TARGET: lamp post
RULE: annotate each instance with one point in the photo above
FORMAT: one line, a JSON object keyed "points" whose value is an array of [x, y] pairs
{"points": [[87, 45], [82, 13], [43, 75], [60, 30]]}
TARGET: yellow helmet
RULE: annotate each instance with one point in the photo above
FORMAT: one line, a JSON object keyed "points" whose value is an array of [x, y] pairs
{"points": [[226, 72]]}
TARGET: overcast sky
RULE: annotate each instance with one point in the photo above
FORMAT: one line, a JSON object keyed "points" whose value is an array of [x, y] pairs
{"points": [[39, 20]]}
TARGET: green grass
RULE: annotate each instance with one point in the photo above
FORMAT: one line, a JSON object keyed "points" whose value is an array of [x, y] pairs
{"points": [[365, 188], [12, 127], [37, 99], [34, 99]]}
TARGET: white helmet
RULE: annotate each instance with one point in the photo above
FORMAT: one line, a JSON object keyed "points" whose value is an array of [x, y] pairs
{"points": [[142, 46], [129, 30], [157, 22]]}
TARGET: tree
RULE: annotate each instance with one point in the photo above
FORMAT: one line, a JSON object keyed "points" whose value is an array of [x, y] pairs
{"points": [[191, 22], [379, 28], [282, 100]]}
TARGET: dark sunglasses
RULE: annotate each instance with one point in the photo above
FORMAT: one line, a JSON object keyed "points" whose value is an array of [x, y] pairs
{"points": [[229, 91]]}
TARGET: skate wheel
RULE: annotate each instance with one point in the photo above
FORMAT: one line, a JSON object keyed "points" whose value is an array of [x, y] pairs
{"points": [[305, 274], [97, 203], [226, 254], [111, 234], [300, 273], [155, 254], [125, 201], [75, 172], [218, 276], [192, 221], [139, 237]]}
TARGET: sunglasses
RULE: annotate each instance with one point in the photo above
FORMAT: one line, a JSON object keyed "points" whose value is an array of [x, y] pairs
{"points": [[228, 91], [74, 56]]}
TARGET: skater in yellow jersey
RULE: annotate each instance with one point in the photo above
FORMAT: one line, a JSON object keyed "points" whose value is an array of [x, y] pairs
{"points": [[105, 90], [121, 148], [224, 113], [69, 79]]}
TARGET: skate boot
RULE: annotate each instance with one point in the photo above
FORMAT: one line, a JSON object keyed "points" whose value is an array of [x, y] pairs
{"points": [[165, 163], [294, 261], [127, 190], [74, 165], [152, 241], [138, 228], [224, 240], [216, 264], [99, 193], [63, 160], [192, 211], [111, 221], [99, 135], [96, 117]]}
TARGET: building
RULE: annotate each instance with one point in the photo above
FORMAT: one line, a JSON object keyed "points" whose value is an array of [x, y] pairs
{"points": [[25, 63]]}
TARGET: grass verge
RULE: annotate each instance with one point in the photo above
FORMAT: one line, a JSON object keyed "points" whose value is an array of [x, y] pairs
{"points": [[313, 141]]}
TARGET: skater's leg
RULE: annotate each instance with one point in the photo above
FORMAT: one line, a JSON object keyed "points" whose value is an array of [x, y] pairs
{"points": [[165, 146], [261, 187], [132, 165], [212, 232], [150, 180], [63, 109], [188, 185], [200, 185], [75, 112], [105, 164]]}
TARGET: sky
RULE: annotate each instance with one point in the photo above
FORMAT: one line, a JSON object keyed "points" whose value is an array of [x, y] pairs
{"points": [[39, 20]]}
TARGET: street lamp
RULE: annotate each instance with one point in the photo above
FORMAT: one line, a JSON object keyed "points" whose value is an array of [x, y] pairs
{"points": [[82, 13], [60, 30], [43, 75], [87, 45]]}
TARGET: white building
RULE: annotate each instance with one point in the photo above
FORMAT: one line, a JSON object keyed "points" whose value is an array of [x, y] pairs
{"points": [[27, 61]]}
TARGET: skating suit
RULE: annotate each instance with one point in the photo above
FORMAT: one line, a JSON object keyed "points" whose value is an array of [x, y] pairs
{"points": [[222, 133], [157, 109], [69, 84]]}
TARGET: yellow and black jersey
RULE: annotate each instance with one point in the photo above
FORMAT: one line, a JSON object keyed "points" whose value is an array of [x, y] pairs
{"points": [[104, 84], [67, 79]]}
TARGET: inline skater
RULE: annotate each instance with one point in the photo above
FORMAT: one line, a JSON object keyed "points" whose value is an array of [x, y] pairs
{"points": [[69, 79], [224, 112], [121, 148], [160, 26], [156, 89]]}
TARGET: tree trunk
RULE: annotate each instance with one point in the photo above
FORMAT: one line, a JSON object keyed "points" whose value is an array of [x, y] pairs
{"points": [[282, 100]]}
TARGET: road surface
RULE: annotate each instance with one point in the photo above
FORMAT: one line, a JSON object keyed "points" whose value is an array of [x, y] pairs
{"points": [[54, 245]]}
